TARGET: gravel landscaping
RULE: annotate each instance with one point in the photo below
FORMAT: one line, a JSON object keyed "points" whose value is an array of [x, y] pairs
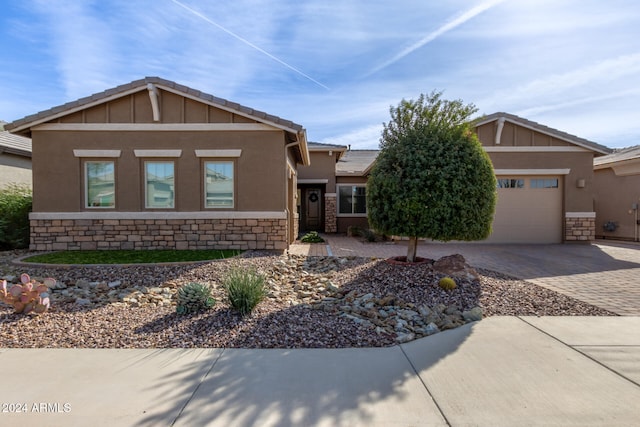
{"points": [[314, 302]]}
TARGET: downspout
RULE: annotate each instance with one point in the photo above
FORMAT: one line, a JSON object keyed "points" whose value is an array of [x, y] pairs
{"points": [[499, 130]]}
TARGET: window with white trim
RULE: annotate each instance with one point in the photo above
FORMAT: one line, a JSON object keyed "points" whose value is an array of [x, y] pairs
{"points": [[352, 199], [218, 184], [159, 178], [100, 184]]}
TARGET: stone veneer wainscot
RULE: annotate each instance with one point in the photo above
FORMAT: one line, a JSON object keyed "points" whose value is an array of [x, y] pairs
{"points": [[580, 226], [158, 231]]}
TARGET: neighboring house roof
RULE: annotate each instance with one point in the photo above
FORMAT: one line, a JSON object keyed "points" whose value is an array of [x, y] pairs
{"points": [[356, 162], [585, 143], [623, 162], [318, 146], [15, 144], [23, 126]]}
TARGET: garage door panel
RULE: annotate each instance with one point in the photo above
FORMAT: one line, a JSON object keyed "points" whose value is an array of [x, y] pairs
{"points": [[528, 215]]}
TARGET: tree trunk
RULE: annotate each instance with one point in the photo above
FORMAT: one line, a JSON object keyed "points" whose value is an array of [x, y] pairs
{"points": [[412, 249]]}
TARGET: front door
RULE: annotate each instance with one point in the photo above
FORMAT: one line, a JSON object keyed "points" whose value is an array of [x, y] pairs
{"points": [[313, 212]]}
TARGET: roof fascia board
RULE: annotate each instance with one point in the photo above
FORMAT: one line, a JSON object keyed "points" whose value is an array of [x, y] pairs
{"points": [[534, 149], [146, 127]]}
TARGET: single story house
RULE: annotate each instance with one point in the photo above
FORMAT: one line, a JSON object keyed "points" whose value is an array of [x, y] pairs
{"points": [[153, 164], [617, 194], [545, 182], [15, 159]]}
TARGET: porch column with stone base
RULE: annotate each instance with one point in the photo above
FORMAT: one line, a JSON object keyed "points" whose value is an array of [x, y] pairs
{"points": [[330, 213]]}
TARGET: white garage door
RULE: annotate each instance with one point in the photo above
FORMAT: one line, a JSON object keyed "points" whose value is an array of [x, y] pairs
{"points": [[529, 210]]}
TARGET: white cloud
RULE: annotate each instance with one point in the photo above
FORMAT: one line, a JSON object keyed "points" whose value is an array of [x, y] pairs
{"points": [[448, 26]]}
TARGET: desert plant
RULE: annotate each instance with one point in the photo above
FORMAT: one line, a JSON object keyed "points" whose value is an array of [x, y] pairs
{"points": [[15, 205], [447, 283], [28, 296], [194, 297], [312, 237], [245, 289]]}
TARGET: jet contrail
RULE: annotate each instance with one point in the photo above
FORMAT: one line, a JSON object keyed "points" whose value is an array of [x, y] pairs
{"points": [[459, 20], [248, 43]]}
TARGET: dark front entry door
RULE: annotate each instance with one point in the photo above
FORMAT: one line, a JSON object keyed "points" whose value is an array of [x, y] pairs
{"points": [[313, 217]]}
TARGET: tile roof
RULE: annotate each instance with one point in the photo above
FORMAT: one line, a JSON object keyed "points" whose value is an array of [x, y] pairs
{"points": [[15, 144], [321, 146], [625, 154], [598, 148], [141, 84], [356, 162]]}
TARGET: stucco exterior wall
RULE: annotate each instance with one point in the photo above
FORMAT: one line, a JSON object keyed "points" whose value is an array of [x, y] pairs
{"points": [[58, 174], [614, 201], [322, 167], [15, 170]]}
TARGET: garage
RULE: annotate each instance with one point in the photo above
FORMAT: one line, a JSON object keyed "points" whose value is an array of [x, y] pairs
{"points": [[529, 210]]}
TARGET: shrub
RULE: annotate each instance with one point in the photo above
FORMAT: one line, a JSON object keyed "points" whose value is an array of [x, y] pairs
{"points": [[354, 231], [245, 289], [28, 296], [312, 237], [15, 205], [194, 297]]}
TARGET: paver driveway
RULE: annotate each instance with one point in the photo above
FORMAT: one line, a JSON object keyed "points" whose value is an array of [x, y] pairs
{"points": [[605, 274]]}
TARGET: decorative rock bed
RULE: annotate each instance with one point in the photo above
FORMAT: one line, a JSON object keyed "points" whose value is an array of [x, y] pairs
{"points": [[311, 302]]}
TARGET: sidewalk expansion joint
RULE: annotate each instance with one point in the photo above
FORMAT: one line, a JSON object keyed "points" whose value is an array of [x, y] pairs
{"points": [[195, 390], [574, 348], [415, 371]]}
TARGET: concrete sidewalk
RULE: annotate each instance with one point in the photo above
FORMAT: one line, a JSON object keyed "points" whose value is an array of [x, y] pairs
{"points": [[502, 371]]}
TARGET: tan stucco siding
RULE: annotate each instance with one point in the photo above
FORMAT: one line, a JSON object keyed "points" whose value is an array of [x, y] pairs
{"points": [[15, 170], [579, 163], [322, 167], [614, 198], [58, 180]]}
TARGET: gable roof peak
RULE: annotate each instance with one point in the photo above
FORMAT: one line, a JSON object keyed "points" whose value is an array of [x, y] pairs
{"points": [[573, 139], [23, 125]]}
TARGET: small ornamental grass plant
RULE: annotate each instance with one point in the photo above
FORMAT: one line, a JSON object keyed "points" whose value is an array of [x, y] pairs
{"points": [[245, 289]]}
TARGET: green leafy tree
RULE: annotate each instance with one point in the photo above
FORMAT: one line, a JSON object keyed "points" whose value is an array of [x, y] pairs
{"points": [[432, 178]]}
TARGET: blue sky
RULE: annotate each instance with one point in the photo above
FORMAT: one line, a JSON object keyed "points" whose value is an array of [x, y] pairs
{"points": [[336, 67]]}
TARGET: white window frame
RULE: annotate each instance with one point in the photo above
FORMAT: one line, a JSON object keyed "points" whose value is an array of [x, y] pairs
{"points": [[87, 204], [352, 215], [233, 188], [146, 185]]}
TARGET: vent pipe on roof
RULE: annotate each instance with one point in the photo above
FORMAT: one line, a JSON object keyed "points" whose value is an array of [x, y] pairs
{"points": [[499, 130], [153, 96]]}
